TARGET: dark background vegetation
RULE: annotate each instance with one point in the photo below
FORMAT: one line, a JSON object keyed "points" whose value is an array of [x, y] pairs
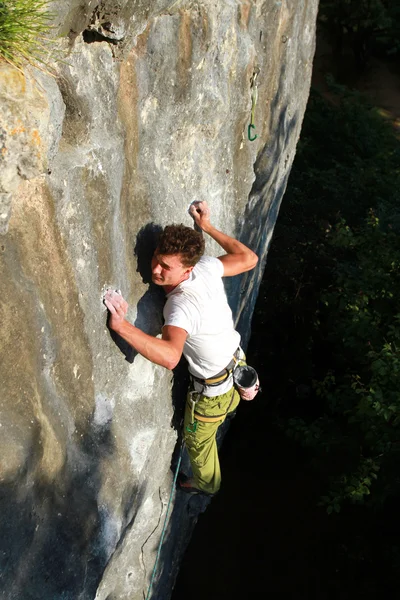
{"points": [[309, 503]]}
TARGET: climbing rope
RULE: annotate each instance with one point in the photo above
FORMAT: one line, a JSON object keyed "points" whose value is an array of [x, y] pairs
{"points": [[165, 523], [254, 97]]}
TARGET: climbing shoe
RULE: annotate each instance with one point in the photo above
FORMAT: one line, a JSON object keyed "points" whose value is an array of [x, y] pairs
{"points": [[185, 484]]}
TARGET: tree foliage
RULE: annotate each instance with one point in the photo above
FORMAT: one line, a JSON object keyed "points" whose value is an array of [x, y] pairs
{"points": [[365, 25], [360, 321], [332, 290]]}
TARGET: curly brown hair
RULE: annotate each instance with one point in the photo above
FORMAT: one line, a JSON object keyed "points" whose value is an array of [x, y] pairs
{"points": [[179, 239]]}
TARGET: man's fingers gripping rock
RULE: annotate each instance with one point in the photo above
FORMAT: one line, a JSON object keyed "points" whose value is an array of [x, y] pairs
{"points": [[115, 303], [199, 209]]}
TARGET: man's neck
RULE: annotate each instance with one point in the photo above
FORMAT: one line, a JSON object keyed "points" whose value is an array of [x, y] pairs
{"points": [[169, 288]]}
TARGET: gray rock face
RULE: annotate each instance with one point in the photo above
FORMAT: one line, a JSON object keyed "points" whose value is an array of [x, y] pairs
{"points": [[148, 111]]}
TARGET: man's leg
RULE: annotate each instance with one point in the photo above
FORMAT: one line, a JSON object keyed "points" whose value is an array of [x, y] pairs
{"points": [[200, 438]]}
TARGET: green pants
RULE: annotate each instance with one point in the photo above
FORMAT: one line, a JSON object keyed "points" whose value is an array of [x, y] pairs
{"points": [[200, 437]]}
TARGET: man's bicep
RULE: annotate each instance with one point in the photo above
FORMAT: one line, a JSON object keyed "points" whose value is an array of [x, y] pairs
{"points": [[234, 264]]}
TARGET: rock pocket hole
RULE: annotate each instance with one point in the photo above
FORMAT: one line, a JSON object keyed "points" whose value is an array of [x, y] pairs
{"points": [[90, 36]]}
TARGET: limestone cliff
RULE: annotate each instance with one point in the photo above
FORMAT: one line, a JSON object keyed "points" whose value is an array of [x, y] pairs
{"points": [[147, 111]]}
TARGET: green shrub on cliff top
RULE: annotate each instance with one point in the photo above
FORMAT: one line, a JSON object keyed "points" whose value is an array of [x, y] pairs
{"points": [[23, 28]]}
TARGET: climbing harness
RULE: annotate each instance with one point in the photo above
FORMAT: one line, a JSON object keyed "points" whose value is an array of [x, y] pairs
{"points": [[254, 96], [222, 375], [165, 523], [198, 417], [215, 418], [245, 380]]}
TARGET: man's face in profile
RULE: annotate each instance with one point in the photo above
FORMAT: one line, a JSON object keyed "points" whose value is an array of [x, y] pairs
{"points": [[168, 270]]}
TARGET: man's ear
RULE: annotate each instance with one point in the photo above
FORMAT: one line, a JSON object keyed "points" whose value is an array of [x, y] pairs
{"points": [[188, 270]]}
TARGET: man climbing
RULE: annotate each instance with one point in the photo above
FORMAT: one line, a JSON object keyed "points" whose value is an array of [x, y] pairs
{"points": [[198, 323]]}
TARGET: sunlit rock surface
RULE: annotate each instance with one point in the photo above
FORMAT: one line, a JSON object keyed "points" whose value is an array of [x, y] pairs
{"points": [[147, 111]]}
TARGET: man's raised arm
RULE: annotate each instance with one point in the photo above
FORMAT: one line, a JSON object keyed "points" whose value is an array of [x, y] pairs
{"points": [[239, 258]]}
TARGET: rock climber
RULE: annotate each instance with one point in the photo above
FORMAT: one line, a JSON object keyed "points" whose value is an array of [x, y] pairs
{"points": [[199, 325]]}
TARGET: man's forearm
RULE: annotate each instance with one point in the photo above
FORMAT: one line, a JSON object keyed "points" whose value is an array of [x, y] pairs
{"points": [[229, 244], [239, 258], [156, 350]]}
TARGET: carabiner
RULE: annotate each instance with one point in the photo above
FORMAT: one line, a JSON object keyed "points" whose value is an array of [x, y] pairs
{"points": [[254, 96], [191, 427], [250, 127]]}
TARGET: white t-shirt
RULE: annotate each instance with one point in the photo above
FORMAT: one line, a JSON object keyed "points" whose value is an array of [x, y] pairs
{"points": [[199, 306]]}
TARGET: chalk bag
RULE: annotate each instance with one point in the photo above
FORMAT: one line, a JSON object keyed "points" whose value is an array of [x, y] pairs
{"points": [[246, 382]]}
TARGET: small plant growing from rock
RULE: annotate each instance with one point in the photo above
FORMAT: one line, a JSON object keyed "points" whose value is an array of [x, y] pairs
{"points": [[24, 25]]}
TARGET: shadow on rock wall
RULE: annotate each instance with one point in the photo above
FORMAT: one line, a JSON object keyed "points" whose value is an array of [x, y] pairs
{"points": [[57, 538], [272, 169], [150, 306]]}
